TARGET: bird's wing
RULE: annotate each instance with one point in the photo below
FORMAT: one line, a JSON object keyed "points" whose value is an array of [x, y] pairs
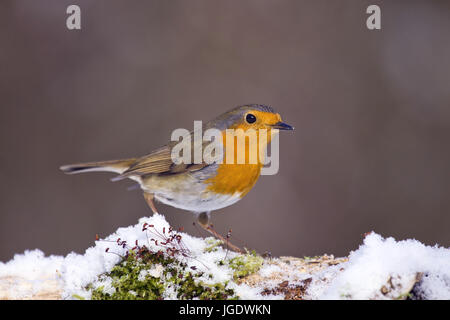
{"points": [[158, 162]]}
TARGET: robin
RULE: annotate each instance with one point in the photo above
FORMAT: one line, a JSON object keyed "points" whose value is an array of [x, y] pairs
{"points": [[197, 187]]}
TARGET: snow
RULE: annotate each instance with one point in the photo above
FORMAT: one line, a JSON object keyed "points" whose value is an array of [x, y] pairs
{"points": [[75, 271], [269, 269], [155, 271], [377, 263], [377, 260], [30, 272]]}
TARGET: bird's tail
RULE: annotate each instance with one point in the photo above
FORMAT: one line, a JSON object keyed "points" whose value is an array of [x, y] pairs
{"points": [[117, 166]]}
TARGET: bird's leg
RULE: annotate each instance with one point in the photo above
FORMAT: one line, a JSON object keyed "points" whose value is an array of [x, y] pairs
{"points": [[149, 199], [203, 221]]}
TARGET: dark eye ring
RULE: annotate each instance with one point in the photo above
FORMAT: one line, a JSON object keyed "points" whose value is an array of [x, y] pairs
{"points": [[250, 118]]}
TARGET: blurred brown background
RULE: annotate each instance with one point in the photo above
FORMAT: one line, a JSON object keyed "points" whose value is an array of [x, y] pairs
{"points": [[371, 111]]}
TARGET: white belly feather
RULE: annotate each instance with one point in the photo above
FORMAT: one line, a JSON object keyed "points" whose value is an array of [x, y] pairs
{"points": [[187, 193]]}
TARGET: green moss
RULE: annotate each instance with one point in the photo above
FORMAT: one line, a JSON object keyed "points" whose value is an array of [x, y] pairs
{"points": [[245, 264], [213, 244], [127, 283], [189, 289], [133, 279]]}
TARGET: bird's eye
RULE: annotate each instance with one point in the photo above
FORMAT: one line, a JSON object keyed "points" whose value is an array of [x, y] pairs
{"points": [[250, 118]]}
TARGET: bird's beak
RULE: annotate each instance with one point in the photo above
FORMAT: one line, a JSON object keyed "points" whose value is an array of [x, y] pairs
{"points": [[282, 126]]}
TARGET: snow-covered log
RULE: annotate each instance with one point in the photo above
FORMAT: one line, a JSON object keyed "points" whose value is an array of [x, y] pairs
{"points": [[150, 260]]}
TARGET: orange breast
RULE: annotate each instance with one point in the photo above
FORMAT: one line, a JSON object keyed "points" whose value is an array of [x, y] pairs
{"points": [[232, 178], [237, 178]]}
